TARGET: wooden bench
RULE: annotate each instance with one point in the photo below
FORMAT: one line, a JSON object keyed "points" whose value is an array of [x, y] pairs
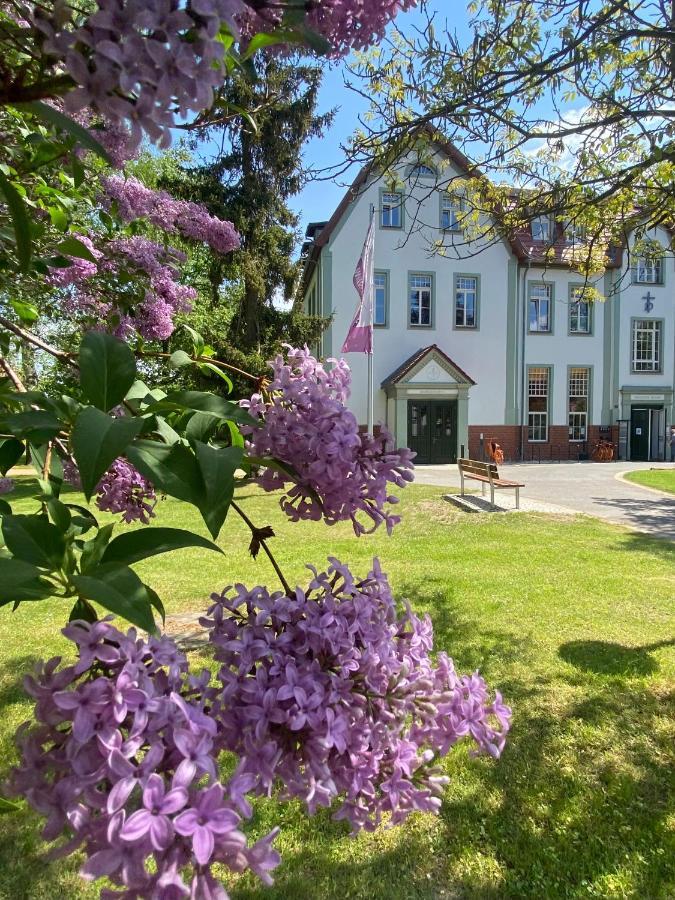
{"points": [[486, 473]]}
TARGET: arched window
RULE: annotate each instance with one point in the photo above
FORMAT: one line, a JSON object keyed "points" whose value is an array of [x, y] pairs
{"points": [[422, 171]]}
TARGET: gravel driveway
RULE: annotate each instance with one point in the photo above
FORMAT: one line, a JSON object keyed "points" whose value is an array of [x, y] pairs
{"points": [[584, 487]]}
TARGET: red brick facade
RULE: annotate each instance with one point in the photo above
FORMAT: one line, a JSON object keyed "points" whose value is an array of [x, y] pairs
{"points": [[558, 446]]}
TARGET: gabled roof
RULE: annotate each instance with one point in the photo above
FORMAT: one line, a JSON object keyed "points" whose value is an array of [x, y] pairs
{"points": [[399, 374]]}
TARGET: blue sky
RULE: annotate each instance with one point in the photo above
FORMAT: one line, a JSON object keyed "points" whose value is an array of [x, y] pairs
{"points": [[319, 199]]}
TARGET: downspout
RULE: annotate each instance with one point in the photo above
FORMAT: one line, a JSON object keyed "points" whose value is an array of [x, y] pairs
{"points": [[523, 372]]}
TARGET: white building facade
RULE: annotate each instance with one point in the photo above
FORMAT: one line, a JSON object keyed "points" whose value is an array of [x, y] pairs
{"points": [[495, 342]]}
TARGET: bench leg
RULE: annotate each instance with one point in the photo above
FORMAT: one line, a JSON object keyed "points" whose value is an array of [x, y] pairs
{"points": [[492, 495], [482, 488], [517, 498], [461, 481]]}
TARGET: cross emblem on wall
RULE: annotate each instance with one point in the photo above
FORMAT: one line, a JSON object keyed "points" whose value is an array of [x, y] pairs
{"points": [[649, 301]]}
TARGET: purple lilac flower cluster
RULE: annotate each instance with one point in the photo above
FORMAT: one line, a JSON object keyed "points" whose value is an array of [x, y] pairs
{"points": [[121, 490], [192, 220], [147, 64], [330, 694], [163, 297], [345, 24], [340, 472], [6, 485], [122, 762]]}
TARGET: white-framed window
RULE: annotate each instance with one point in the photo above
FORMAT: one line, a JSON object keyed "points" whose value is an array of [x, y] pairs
{"points": [[577, 403], [451, 212], [580, 312], [466, 301], [541, 299], [647, 342], [420, 295], [391, 209], [648, 270], [542, 228], [380, 299], [422, 171], [575, 233], [537, 403]]}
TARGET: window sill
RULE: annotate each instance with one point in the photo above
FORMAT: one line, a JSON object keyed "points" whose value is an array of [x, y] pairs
{"points": [[646, 371], [465, 327], [580, 334], [391, 227], [540, 332]]}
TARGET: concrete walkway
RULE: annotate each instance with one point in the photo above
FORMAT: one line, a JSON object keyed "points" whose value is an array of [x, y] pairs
{"points": [[584, 487]]}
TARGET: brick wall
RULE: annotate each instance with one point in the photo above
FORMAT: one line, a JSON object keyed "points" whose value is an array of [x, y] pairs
{"points": [[558, 446]]}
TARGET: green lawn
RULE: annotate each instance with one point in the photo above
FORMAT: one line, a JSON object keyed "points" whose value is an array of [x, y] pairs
{"points": [[572, 618], [662, 479]]}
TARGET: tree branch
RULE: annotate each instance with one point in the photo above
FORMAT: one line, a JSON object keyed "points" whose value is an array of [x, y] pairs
{"points": [[263, 543]]}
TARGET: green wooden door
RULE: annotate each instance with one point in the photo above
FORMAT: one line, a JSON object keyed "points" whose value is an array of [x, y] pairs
{"points": [[639, 433], [432, 430]]}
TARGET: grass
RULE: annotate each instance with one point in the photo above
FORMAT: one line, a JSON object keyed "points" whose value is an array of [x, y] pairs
{"points": [[661, 479], [571, 617]]}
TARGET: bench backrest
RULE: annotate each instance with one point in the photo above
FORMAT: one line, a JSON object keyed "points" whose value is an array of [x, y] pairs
{"points": [[475, 467]]}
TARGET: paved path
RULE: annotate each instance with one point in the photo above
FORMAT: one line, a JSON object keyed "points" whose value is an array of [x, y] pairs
{"points": [[585, 487]]}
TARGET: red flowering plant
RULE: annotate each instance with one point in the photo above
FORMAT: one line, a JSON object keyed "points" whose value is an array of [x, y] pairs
{"points": [[327, 691]]}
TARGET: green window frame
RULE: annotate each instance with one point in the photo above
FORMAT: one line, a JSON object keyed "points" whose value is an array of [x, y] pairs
{"points": [[579, 312], [466, 301], [421, 299], [451, 208], [381, 298], [539, 392], [578, 403], [540, 307], [392, 210]]}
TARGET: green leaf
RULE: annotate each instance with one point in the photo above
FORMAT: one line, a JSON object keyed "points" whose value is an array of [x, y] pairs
{"points": [[173, 469], [217, 468], [71, 246], [202, 427], [59, 514], [35, 425], [120, 590], [59, 218], [197, 340], [63, 123], [180, 358], [6, 806], [155, 600], [97, 441], [133, 546], [15, 573], [216, 370], [82, 611], [11, 452], [93, 550], [20, 222], [25, 311], [203, 401], [34, 540], [5, 508], [107, 369]]}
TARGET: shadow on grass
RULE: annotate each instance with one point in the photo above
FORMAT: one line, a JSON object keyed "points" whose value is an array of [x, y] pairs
{"points": [[11, 679], [607, 658]]}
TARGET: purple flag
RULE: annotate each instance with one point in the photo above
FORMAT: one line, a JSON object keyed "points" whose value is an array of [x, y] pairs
{"points": [[360, 335]]}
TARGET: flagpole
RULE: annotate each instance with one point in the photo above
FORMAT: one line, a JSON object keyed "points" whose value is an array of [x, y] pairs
{"points": [[371, 398]]}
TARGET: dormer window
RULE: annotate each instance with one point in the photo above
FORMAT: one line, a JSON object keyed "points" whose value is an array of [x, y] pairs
{"points": [[648, 270], [422, 171], [391, 209], [451, 209], [575, 233], [542, 228]]}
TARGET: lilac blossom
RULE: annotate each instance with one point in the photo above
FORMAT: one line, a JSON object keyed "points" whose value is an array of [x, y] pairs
{"points": [[6, 485], [331, 694], [191, 220], [111, 787], [336, 472], [143, 66], [85, 285], [122, 489]]}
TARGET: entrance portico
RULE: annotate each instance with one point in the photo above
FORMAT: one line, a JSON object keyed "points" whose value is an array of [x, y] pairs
{"points": [[428, 406]]}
